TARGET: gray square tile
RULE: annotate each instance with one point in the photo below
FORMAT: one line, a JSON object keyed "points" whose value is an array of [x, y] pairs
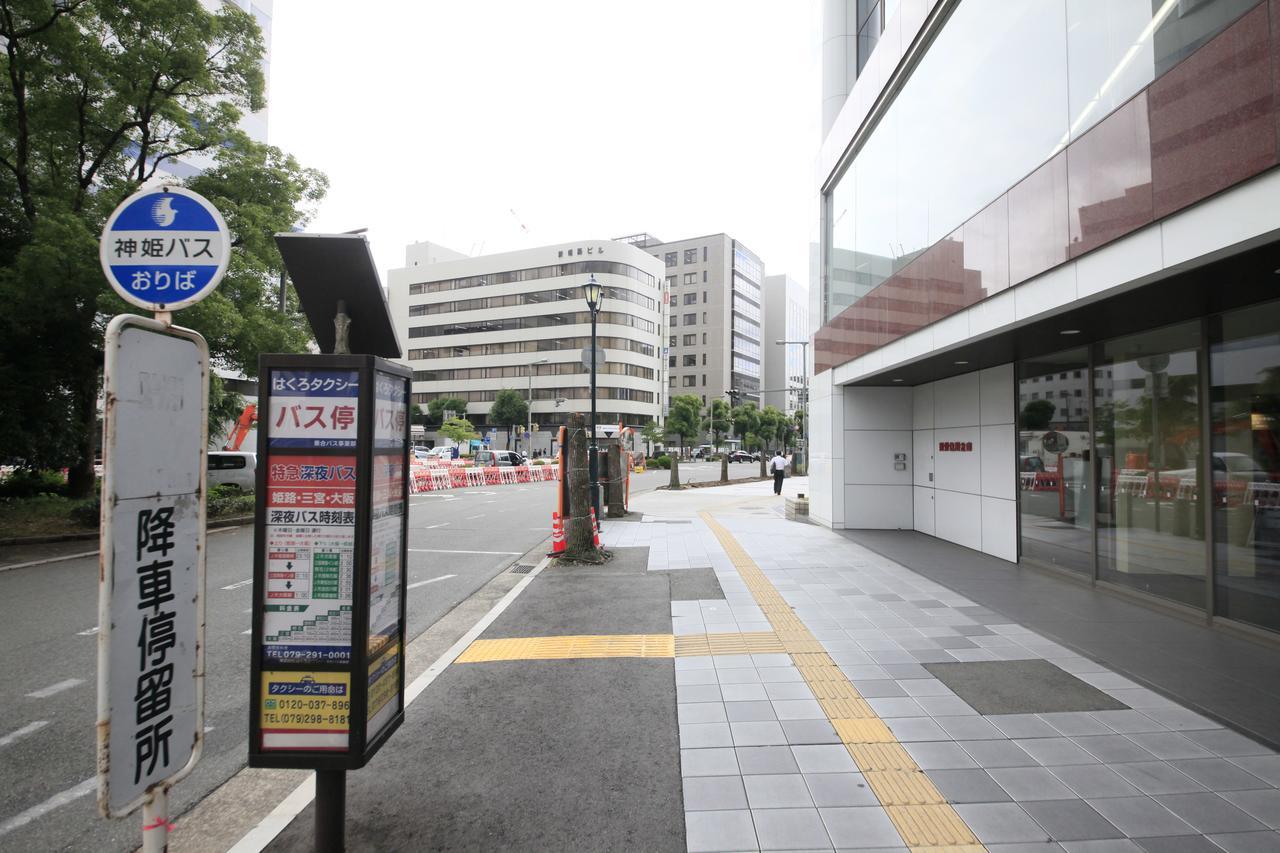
{"points": [[1022, 725], [969, 728], [716, 831], [739, 675], [1093, 781], [809, 731], [799, 709], [1138, 817], [698, 693], [1128, 722], [776, 674], [998, 753], [1071, 820], [839, 790], [709, 793], [944, 706], [731, 661], [746, 712], [1025, 784], [719, 761], [695, 676], [1113, 749], [1263, 766], [766, 733], [1027, 847], [1001, 822], [1218, 774], [903, 671], [1072, 723], [702, 735], [1248, 842], [788, 690], [879, 688], [701, 712], [1168, 745], [1055, 751], [1209, 813], [1178, 844], [925, 687], [1180, 719], [790, 829], [777, 792], [1157, 777], [755, 760], [940, 755], [1226, 743], [897, 706], [743, 692], [1263, 805], [860, 828], [907, 729], [823, 758], [968, 786], [864, 672], [1118, 845]]}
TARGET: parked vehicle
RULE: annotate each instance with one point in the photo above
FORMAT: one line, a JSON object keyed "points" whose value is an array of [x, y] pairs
{"points": [[743, 456], [233, 468], [702, 451], [499, 458], [443, 452]]}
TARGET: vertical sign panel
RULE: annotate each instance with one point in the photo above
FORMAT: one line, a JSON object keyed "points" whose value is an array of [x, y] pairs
{"points": [[386, 547], [151, 662]]}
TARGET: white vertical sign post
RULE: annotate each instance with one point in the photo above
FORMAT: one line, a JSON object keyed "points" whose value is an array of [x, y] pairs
{"points": [[162, 249]]}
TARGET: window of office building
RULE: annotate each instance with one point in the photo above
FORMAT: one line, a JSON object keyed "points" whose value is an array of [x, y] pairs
{"points": [[1147, 437], [1053, 470], [690, 360], [690, 256], [690, 381], [671, 361], [690, 340], [671, 281], [704, 255], [690, 298], [1244, 399], [690, 319], [704, 276], [670, 259], [704, 297], [691, 278], [870, 24], [704, 339], [672, 342]]}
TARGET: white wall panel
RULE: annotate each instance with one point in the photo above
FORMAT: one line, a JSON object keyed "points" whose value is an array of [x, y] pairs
{"points": [[868, 457], [958, 518], [877, 408], [922, 457], [1139, 255], [951, 330], [1000, 528], [955, 401], [998, 455], [995, 394], [1243, 212], [924, 510], [958, 470], [1052, 290], [922, 406], [991, 313], [879, 507]]}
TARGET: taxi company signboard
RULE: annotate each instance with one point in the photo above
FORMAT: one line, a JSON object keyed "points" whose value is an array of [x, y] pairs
{"points": [[150, 651]]}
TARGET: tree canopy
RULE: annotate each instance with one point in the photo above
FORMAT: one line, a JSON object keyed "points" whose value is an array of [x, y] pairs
{"points": [[683, 417], [717, 421], [440, 405], [509, 410], [99, 98], [458, 430]]}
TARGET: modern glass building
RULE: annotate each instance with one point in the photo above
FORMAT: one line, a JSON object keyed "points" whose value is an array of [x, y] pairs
{"points": [[1051, 286]]}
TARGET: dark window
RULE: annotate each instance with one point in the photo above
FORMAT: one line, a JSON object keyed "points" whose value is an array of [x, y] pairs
{"points": [[671, 259], [690, 256]]}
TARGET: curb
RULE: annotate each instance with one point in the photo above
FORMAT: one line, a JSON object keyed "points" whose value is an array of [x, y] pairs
{"points": [[93, 534]]}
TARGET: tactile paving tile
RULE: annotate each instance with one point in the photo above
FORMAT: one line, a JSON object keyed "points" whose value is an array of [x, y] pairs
{"points": [[563, 648]]}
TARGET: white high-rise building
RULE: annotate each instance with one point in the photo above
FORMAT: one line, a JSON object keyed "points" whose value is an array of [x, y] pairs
{"points": [[786, 318], [476, 325]]}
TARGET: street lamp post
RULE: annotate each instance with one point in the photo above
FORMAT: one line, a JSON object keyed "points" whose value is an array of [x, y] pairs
{"points": [[592, 291], [804, 345], [528, 430]]}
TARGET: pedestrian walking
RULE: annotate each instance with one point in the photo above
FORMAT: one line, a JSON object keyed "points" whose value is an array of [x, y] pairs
{"points": [[778, 465]]}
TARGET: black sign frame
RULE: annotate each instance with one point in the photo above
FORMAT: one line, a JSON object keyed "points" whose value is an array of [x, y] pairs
{"points": [[360, 749]]}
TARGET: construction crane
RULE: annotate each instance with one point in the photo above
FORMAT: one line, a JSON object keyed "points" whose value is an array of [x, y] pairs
{"points": [[244, 423]]}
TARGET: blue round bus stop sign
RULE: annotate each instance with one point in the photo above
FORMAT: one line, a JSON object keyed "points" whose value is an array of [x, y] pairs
{"points": [[165, 248]]}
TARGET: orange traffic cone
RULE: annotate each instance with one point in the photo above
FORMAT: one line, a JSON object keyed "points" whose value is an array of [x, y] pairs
{"points": [[557, 535]]}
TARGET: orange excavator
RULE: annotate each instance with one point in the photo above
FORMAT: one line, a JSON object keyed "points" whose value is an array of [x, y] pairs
{"points": [[244, 424]]}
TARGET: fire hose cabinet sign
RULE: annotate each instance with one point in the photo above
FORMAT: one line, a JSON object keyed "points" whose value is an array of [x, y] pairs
{"points": [[330, 560]]}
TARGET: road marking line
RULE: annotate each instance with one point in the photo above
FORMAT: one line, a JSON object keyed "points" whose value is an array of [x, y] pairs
{"points": [[443, 551], [918, 810], [57, 800], [441, 524], [250, 631], [474, 517], [48, 560], [239, 584], [88, 632], [433, 580], [23, 732], [55, 688], [256, 839]]}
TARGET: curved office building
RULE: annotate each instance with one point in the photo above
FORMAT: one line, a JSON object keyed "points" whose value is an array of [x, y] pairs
{"points": [[1048, 327], [473, 326]]}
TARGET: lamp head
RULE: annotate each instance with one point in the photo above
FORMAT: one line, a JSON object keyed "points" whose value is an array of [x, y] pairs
{"points": [[591, 291]]}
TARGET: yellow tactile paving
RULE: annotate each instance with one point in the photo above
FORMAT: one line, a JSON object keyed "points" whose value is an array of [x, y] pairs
{"points": [[922, 816], [748, 643], [621, 646]]}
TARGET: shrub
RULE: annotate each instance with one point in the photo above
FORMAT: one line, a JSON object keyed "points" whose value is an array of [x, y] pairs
{"points": [[26, 483], [663, 462], [226, 490], [538, 462], [229, 505], [86, 514]]}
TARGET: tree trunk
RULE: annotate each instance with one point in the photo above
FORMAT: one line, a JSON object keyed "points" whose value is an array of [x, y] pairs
{"points": [[617, 489], [724, 467], [81, 476], [579, 537], [763, 471], [675, 472]]}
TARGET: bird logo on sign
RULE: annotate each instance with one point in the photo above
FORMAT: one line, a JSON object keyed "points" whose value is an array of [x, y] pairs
{"points": [[163, 213]]}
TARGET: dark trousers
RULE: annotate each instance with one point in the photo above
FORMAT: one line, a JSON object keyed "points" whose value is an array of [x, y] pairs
{"points": [[777, 481]]}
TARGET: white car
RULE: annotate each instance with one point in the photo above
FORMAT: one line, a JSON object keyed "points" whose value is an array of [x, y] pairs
{"points": [[233, 468]]}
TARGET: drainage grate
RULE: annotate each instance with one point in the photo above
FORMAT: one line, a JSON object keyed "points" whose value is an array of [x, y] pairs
{"points": [[520, 569]]}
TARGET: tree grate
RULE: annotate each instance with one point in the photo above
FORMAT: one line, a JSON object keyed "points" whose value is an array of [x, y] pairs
{"points": [[521, 569]]}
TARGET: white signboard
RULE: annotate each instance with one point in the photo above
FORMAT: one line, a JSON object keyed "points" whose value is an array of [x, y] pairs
{"points": [[151, 589], [164, 249], [313, 408]]}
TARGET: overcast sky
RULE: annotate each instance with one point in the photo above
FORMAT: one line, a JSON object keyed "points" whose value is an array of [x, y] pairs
{"points": [[435, 120]]}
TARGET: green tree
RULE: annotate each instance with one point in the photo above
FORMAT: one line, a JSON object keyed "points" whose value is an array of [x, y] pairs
{"points": [[652, 434], [745, 419], [1038, 414], [683, 418], [437, 407], [717, 420], [509, 410], [458, 430], [772, 427], [97, 96]]}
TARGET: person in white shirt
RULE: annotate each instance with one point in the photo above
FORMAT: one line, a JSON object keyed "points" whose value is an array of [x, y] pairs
{"points": [[778, 465]]}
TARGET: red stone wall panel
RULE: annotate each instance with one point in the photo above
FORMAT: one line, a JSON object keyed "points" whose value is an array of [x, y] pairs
{"points": [[1038, 232], [1109, 178]]}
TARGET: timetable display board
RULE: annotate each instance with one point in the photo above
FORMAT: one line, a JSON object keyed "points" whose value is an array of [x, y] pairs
{"points": [[330, 560]]}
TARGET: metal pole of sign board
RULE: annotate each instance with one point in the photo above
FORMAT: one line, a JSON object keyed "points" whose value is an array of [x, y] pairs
{"points": [[152, 570]]}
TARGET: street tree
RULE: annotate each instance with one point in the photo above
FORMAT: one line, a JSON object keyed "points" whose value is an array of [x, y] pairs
{"points": [[652, 434], [509, 410], [746, 419], [683, 418], [437, 407], [97, 98], [771, 426], [716, 421], [458, 430]]}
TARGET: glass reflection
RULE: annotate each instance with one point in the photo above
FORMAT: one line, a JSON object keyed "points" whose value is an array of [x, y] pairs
{"points": [[1245, 395], [1147, 412], [1053, 461]]}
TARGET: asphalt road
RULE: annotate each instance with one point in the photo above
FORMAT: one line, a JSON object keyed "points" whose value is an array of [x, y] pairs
{"points": [[458, 541]]}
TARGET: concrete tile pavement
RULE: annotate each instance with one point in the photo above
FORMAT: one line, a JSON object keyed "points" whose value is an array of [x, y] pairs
{"points": [[764, 769]]}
